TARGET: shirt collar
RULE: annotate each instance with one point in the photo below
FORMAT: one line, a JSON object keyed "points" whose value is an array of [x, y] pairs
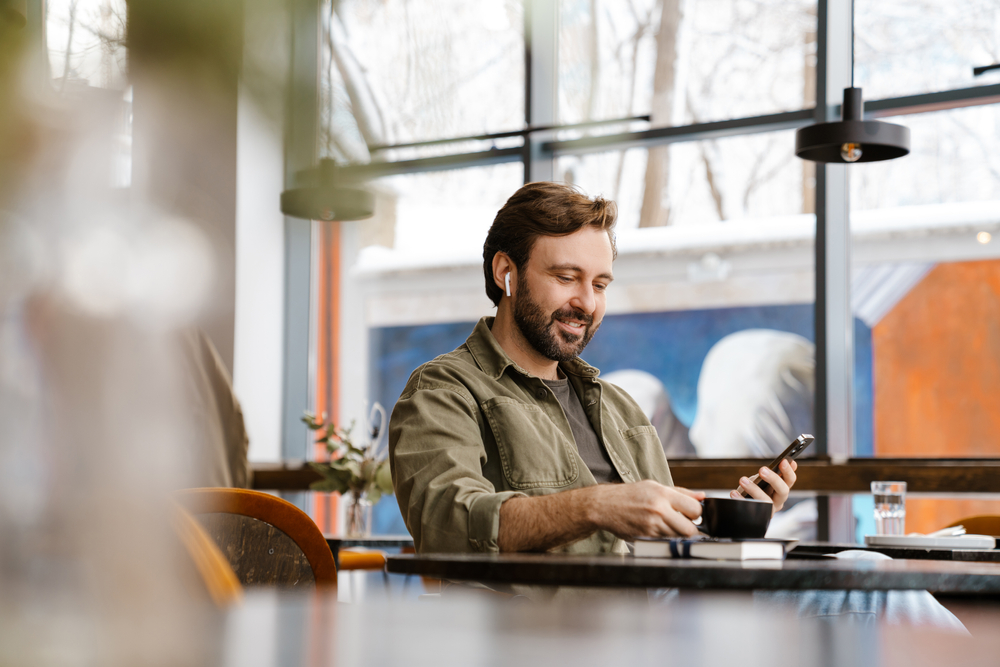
{"points": [[494, 361]]}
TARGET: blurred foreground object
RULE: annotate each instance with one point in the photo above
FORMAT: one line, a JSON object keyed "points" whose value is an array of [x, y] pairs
{"points": [[96, 280], [323, 195], [211, 565], [14, 12]]}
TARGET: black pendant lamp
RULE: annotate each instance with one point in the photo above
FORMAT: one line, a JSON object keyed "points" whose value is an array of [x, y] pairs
{"points": [[852, 139], [325, 196]]}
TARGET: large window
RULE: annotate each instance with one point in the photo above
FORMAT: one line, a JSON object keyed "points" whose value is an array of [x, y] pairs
{"points": [[924, 260], [684, 113], [735, 179], [88, 66], [86, 40], [684, 62], [405, 71], [905, 47]]}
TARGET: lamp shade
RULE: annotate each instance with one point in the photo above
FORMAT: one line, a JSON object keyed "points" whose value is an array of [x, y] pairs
{"points": [[328, 203], [852, 139], [323, 196], [14, 12]]}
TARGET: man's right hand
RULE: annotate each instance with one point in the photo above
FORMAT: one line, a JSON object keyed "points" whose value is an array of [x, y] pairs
{"points": [[640, 509], [645, 509]]}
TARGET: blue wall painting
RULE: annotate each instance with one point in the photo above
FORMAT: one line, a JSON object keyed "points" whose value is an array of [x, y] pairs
{"points": [[669, 345]]}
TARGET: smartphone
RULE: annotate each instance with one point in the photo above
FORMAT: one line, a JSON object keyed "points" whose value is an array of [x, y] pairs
{"points": [[790, 452]]}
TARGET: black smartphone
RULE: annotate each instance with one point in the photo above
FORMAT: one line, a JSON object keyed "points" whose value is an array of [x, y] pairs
{"points": [[790, 452]]}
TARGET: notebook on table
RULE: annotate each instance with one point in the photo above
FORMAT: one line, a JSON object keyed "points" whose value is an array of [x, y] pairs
{"points": [[931, 541]]}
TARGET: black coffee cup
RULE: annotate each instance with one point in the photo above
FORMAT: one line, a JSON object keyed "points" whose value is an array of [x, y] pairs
{"points": [[737, 519]]}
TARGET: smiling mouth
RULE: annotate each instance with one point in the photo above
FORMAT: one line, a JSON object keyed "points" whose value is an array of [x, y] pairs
{"points": [[572, 328], [575, 326]]}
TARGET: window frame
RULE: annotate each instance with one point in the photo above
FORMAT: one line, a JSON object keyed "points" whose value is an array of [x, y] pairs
{"points": [[833, 321]]}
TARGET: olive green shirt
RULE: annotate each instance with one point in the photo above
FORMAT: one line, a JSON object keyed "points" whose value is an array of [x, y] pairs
{"points": [[472, 429]]}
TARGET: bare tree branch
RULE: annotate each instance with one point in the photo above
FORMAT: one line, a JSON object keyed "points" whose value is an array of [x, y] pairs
{"points": [[636, 40], [710, 178], [653, 212], [69, 44], [756, 179], [367, 113], [595, 64]]}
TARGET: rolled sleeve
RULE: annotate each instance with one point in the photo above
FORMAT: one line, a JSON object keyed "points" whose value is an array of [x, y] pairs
{"points": [[484, 519], [436, 456]]}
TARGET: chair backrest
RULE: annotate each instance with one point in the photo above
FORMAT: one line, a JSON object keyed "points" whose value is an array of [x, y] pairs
{"points": [[985, 524], [267, 540]]}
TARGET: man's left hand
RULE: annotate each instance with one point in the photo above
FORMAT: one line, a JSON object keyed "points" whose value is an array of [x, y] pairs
{"points": [[781, 484]]}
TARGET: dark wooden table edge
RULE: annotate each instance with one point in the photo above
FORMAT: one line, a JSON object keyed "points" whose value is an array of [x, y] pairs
{"points": [[614, 573]]}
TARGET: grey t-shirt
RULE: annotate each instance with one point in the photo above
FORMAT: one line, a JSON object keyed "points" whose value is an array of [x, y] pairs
{"points": [[591, 449]]}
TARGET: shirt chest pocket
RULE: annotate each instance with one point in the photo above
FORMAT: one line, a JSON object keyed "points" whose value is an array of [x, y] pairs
{"points": [[534, 453], [642, 445]]}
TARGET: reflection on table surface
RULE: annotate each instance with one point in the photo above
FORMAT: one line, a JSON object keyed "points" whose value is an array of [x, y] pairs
{"points": [[969, 555], [695, 628]]}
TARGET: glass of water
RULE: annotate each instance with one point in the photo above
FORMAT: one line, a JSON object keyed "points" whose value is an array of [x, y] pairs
{"points": [[890, 507]]}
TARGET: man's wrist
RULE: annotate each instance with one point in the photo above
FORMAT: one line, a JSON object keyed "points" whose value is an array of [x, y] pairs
{"points": [[588, 508]]}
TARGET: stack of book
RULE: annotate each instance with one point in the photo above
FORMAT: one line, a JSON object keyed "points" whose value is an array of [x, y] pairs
{"points": [[713, 549]]}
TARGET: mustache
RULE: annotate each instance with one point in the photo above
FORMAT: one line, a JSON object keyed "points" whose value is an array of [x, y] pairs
{"points": [[573, 314]]}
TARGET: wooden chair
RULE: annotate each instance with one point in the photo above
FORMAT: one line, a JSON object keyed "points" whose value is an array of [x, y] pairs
{"points": [[267, 540], [211, 567], [984, 524]]}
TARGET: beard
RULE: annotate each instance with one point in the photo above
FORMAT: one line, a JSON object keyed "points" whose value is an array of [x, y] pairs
{"points": [[541, 332]]}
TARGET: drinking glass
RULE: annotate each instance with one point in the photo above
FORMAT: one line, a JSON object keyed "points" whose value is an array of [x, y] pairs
{"points": [[890, 507]]}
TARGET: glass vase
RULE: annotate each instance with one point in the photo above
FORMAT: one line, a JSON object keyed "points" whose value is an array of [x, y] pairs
{"points": [[358, 517]]}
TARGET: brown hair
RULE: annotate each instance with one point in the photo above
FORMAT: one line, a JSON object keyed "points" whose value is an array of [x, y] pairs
{"points": [[542, 209]]}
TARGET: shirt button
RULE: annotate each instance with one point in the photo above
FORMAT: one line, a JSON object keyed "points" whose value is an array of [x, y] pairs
{"points": [[540, 394]]}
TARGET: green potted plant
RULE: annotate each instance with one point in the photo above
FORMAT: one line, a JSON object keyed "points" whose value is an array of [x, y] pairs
{"points": [[358, 471]]}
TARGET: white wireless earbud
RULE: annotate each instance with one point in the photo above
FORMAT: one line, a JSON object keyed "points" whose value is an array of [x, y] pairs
{"points": [[506, 281]]}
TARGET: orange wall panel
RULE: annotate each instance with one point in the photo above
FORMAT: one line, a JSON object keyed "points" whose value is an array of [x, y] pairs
{"points": [[936, 366], [936, 374], [924, 515], [327, 346]]}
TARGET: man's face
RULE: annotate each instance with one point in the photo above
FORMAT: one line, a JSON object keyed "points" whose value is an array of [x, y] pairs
{"points": [[561, 298]]}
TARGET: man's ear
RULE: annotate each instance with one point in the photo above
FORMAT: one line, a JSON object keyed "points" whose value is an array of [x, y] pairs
{"points": [[501, 267]]}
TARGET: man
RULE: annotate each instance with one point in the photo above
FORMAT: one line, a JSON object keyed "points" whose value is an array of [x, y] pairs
{"points": [[511, 442]]}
